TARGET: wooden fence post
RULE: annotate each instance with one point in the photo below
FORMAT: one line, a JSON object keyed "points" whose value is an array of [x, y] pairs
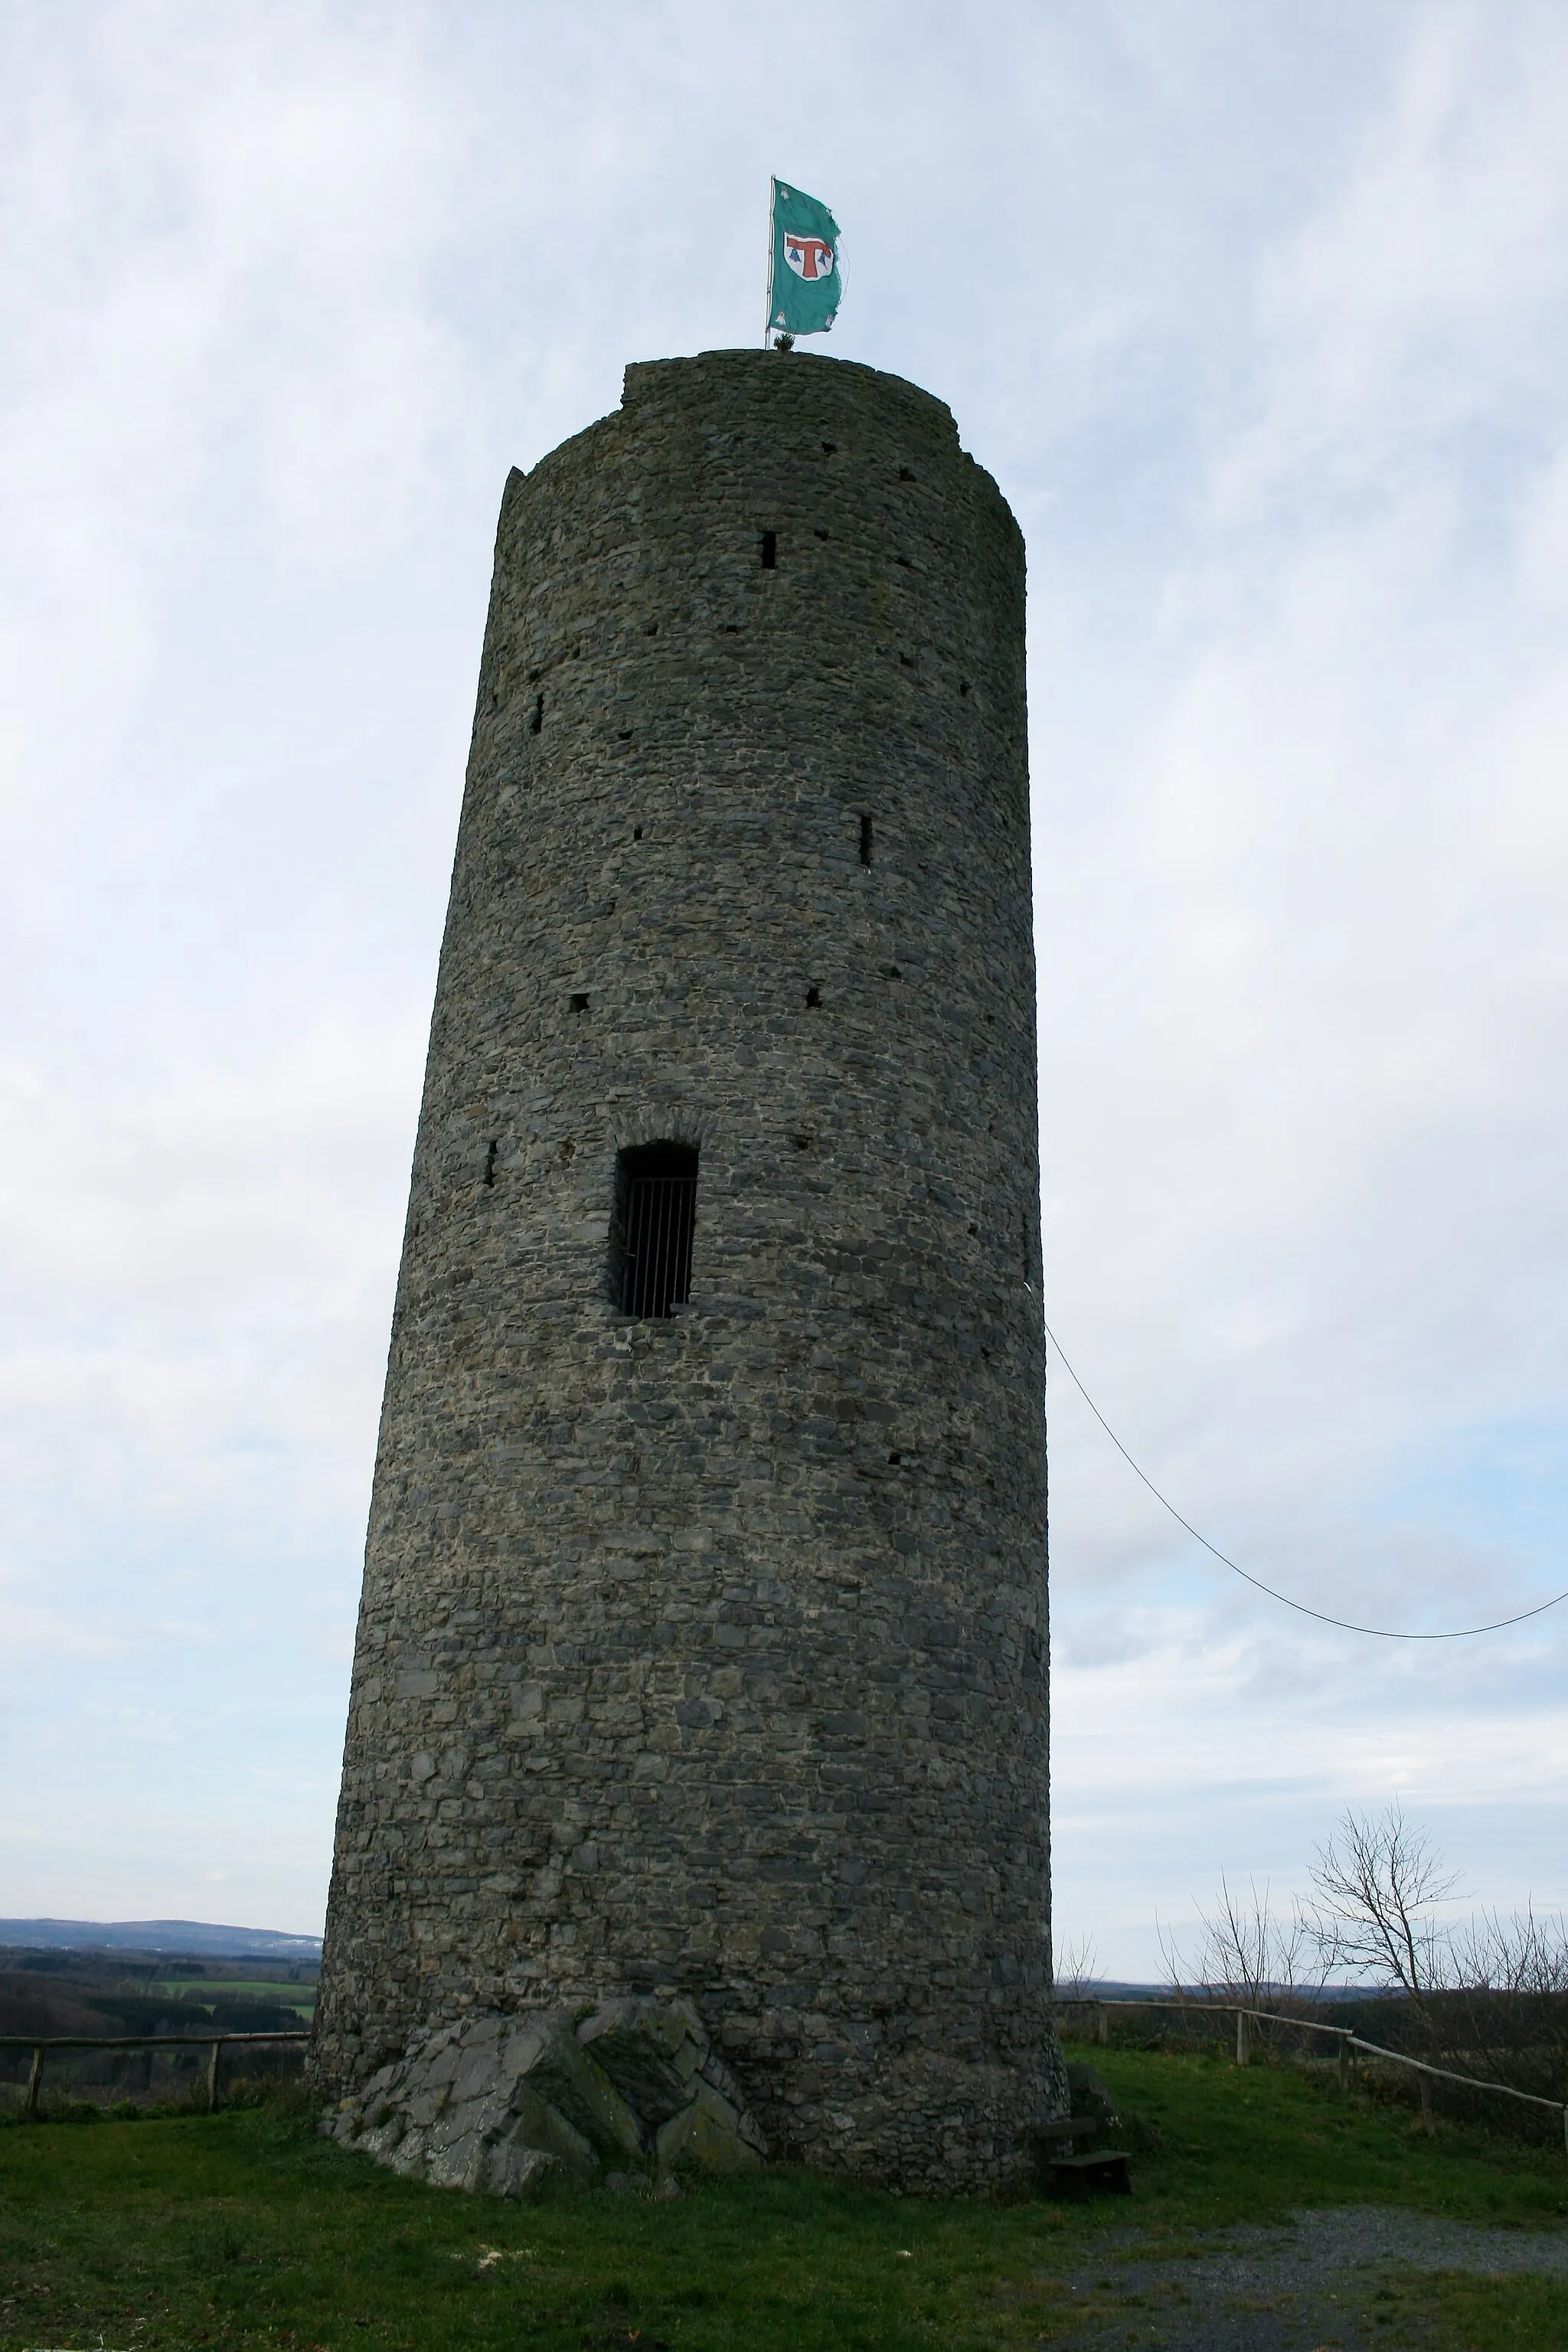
{"points": [[212, 2076], [34, 2083], [1345, 2062], [1243, 2038], [1103, 2027], [1427, 2116]]}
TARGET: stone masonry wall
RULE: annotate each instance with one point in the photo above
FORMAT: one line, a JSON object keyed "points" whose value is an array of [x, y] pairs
{"points": [[706, 1657]]}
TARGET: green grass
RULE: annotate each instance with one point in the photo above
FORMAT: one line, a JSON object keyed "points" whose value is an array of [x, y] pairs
{"points": [[245, 2230], [284, 1996], [301, 1999]]}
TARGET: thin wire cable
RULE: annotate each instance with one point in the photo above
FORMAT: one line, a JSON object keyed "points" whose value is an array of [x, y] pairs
{"points": [[1377, 1632]]}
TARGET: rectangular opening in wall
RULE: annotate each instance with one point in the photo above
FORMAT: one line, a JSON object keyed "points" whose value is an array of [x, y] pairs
{"points": [[651, 1233]]}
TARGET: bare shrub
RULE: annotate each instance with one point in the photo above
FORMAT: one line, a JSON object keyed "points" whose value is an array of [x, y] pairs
{"points": [[1073, 1969], [1251, 1955], [1503, 2004]]}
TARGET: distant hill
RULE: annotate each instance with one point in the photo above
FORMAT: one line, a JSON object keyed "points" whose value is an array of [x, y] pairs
{"points": [[192, 1935]]}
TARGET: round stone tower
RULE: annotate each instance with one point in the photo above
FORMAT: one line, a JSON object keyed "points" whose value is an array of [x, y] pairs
{"points": [[703, 1647]]}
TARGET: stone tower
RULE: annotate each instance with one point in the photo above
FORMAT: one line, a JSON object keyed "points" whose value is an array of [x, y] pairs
{"points": [[703, 1645]]}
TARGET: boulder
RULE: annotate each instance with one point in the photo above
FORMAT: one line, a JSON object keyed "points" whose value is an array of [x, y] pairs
{"points": [[502, 2102], [708, 2134], [651, 2050]]}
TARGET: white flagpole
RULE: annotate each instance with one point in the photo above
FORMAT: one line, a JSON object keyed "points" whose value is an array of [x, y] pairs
{"points": [[773, 249]]}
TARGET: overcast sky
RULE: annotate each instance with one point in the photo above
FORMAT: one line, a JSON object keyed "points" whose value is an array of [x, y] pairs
{"points": [[1259, 313]]}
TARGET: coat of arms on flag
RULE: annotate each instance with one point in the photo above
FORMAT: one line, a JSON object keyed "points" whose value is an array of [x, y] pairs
{"points": [[808, 257], [804, 282]]}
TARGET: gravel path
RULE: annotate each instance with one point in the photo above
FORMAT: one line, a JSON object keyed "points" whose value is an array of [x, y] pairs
{"points": [[1310, 2288]]}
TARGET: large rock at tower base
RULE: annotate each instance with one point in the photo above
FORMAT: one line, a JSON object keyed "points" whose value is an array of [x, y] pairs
{"points": [[502, 2102]]}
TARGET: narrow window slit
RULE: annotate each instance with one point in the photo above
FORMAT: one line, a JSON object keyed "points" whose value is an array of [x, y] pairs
{"points": [[490, 1161], [865, 841], [769, 550], [813, 996], [652, 1228], [536, 724]]}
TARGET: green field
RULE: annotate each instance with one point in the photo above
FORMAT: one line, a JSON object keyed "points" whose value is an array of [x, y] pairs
{"points": [[299, 1996], [246, 2230]]}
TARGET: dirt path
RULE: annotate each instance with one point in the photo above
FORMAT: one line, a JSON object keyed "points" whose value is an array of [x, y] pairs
{"points": [[1310, 2288]]}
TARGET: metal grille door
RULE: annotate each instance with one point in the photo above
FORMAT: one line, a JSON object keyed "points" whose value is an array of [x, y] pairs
{"points": [[656, 1270]]}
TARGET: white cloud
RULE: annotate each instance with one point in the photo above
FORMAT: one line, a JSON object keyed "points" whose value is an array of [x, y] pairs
{"points": [[1260, 320]]}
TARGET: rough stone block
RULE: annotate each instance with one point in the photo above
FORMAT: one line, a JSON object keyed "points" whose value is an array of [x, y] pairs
{"points": [[651, 2050], [706, 2133], [521, 2098]]}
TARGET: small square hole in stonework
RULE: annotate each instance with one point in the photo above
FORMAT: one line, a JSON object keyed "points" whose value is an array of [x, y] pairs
{"points": [[813, 996], [579, 1003]]}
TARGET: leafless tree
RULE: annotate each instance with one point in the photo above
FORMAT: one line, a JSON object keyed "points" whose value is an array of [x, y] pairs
{"points": [[1487, 1996], [1378, 1881]]}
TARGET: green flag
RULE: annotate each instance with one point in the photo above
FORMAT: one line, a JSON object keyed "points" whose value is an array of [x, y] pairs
{"points": [[804, 285]]}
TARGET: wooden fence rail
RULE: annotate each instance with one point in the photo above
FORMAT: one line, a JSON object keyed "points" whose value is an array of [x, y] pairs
{"points": [[214, 2043], [1245, 2017]]}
